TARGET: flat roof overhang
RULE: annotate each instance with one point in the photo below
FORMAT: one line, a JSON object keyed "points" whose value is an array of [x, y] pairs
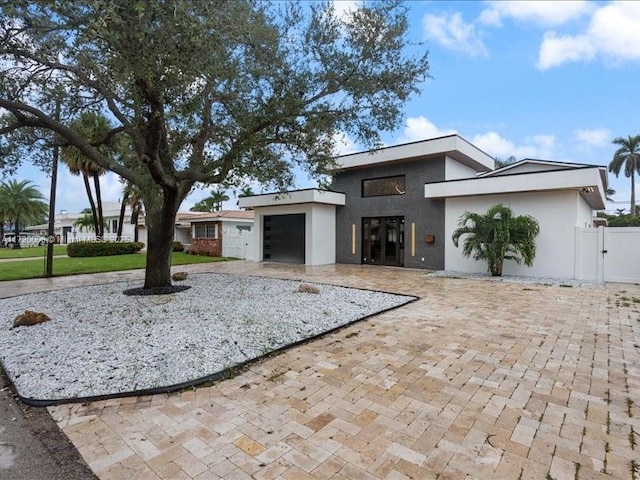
{"points": [[452, 146], [588, 181], [219, 219], [293, 198]]}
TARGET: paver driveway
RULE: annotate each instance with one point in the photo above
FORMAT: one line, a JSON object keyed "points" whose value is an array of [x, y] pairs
{"points": [[474, 380]]}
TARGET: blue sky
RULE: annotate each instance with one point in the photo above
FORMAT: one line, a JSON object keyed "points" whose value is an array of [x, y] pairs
{"points": [[550, 80]]}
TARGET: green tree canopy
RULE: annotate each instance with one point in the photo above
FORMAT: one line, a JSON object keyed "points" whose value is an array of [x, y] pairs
{"points": [[627, 159], [208, 92], [496, 236], [21, 203], [212, 203]]}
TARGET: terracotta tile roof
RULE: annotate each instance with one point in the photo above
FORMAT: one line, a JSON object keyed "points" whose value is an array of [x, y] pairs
{"points": [[231, 214]]}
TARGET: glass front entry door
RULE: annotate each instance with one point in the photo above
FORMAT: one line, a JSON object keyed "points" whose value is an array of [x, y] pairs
{"points": [[383, 241]]}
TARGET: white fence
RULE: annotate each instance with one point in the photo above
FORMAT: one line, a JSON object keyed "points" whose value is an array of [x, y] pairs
{"points": [[609, 254]]}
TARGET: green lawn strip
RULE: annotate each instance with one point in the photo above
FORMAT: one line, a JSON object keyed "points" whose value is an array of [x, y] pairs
{"points": [[78, 265], [27, 252]]}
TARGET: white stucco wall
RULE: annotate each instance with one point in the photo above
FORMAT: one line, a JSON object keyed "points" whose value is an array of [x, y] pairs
{"points": [[320, 231], [584, 213], [558, 215], [181, 234], [454, 170]]}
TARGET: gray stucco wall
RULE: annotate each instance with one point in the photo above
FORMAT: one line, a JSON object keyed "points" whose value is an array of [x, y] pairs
{"points": [[428, 215]]}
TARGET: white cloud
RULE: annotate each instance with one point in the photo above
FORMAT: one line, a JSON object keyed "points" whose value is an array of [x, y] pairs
{"points": [[613, 33], [556, 50], [536, 146], [344, 145], [597, 137], [420, 128], [343, 8], [540, 12], [453, 33]]}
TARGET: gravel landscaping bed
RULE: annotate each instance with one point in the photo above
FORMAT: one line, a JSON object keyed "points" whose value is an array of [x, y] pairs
{"points": [[516, 279], [101, 342]]}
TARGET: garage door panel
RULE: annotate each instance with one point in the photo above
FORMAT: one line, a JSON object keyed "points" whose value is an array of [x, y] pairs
{"points": [[284, 238]]}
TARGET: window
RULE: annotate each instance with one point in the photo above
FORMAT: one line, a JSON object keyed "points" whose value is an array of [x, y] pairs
{"points": [[375, 187], [206, 230]]}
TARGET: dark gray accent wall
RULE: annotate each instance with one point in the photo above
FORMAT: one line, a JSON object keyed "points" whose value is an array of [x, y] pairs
{"points": [[428, 215]]}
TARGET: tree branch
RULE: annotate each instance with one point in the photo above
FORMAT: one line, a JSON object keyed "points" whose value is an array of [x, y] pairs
{"points": [[29, 116]]}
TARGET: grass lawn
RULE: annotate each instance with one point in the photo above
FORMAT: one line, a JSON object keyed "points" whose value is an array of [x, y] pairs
{"points": [[77, 265], [31, 252]]}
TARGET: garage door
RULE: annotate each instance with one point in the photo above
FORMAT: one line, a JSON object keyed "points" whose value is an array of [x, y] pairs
{"points": [[284, 238]]}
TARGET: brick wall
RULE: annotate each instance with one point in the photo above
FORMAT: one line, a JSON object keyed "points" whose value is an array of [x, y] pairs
{"points": [[206, 246]]}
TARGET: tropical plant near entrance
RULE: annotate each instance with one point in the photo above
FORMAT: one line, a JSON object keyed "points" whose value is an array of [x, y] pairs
{"points": [[496, 236]]}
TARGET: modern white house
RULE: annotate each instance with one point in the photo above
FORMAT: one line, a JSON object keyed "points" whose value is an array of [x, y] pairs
{"points": [[399, 206], [66, 230]]}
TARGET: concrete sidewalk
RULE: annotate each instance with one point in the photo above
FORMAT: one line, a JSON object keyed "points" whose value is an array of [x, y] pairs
{"points": [[32, 447], [475, 380]]}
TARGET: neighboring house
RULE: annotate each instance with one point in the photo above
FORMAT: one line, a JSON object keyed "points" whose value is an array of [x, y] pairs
{"points": [[66, 231], [399, 205], [225, 233]]}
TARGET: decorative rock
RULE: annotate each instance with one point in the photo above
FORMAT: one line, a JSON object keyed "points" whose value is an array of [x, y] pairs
{"points": [[305, 288], [179, 276], [29, 318]]}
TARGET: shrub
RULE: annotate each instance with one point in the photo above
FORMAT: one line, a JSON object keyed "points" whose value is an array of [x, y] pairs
{"points": [[623, 221], [101, 249], [178, 247]]}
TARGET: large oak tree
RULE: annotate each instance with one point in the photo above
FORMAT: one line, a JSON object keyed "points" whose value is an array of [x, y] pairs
{"points": [[206, 92]]}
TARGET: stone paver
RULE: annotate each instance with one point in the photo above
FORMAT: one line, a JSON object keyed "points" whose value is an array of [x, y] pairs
{"points": [[476, 380]]}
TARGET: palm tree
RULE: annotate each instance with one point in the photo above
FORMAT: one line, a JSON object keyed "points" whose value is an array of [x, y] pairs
{"points": [[212, 203], [94, 126], [499, 163], [86, 223], [627, 156], [245, 192], [130, 197], [3, 218], [608, 194], [21, 203], [497, 236]]}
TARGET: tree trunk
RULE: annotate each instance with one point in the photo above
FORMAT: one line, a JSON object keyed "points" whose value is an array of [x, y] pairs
{"points": [[16, 231], [496, 269], [123, 207], [96, 182], [134, 220], [160, 227], [633, 194], [92, 204]]}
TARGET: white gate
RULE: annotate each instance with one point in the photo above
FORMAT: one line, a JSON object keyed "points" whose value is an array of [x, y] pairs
{"points": [[610, 254], [621, 254], [235, 242]]}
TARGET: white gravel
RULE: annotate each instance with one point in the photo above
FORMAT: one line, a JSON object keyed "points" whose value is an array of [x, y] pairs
{"points": [[556, 282], [102, 342]]}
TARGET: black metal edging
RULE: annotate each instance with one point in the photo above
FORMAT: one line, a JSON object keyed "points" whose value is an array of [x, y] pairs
{"points": [[223, 373]]}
